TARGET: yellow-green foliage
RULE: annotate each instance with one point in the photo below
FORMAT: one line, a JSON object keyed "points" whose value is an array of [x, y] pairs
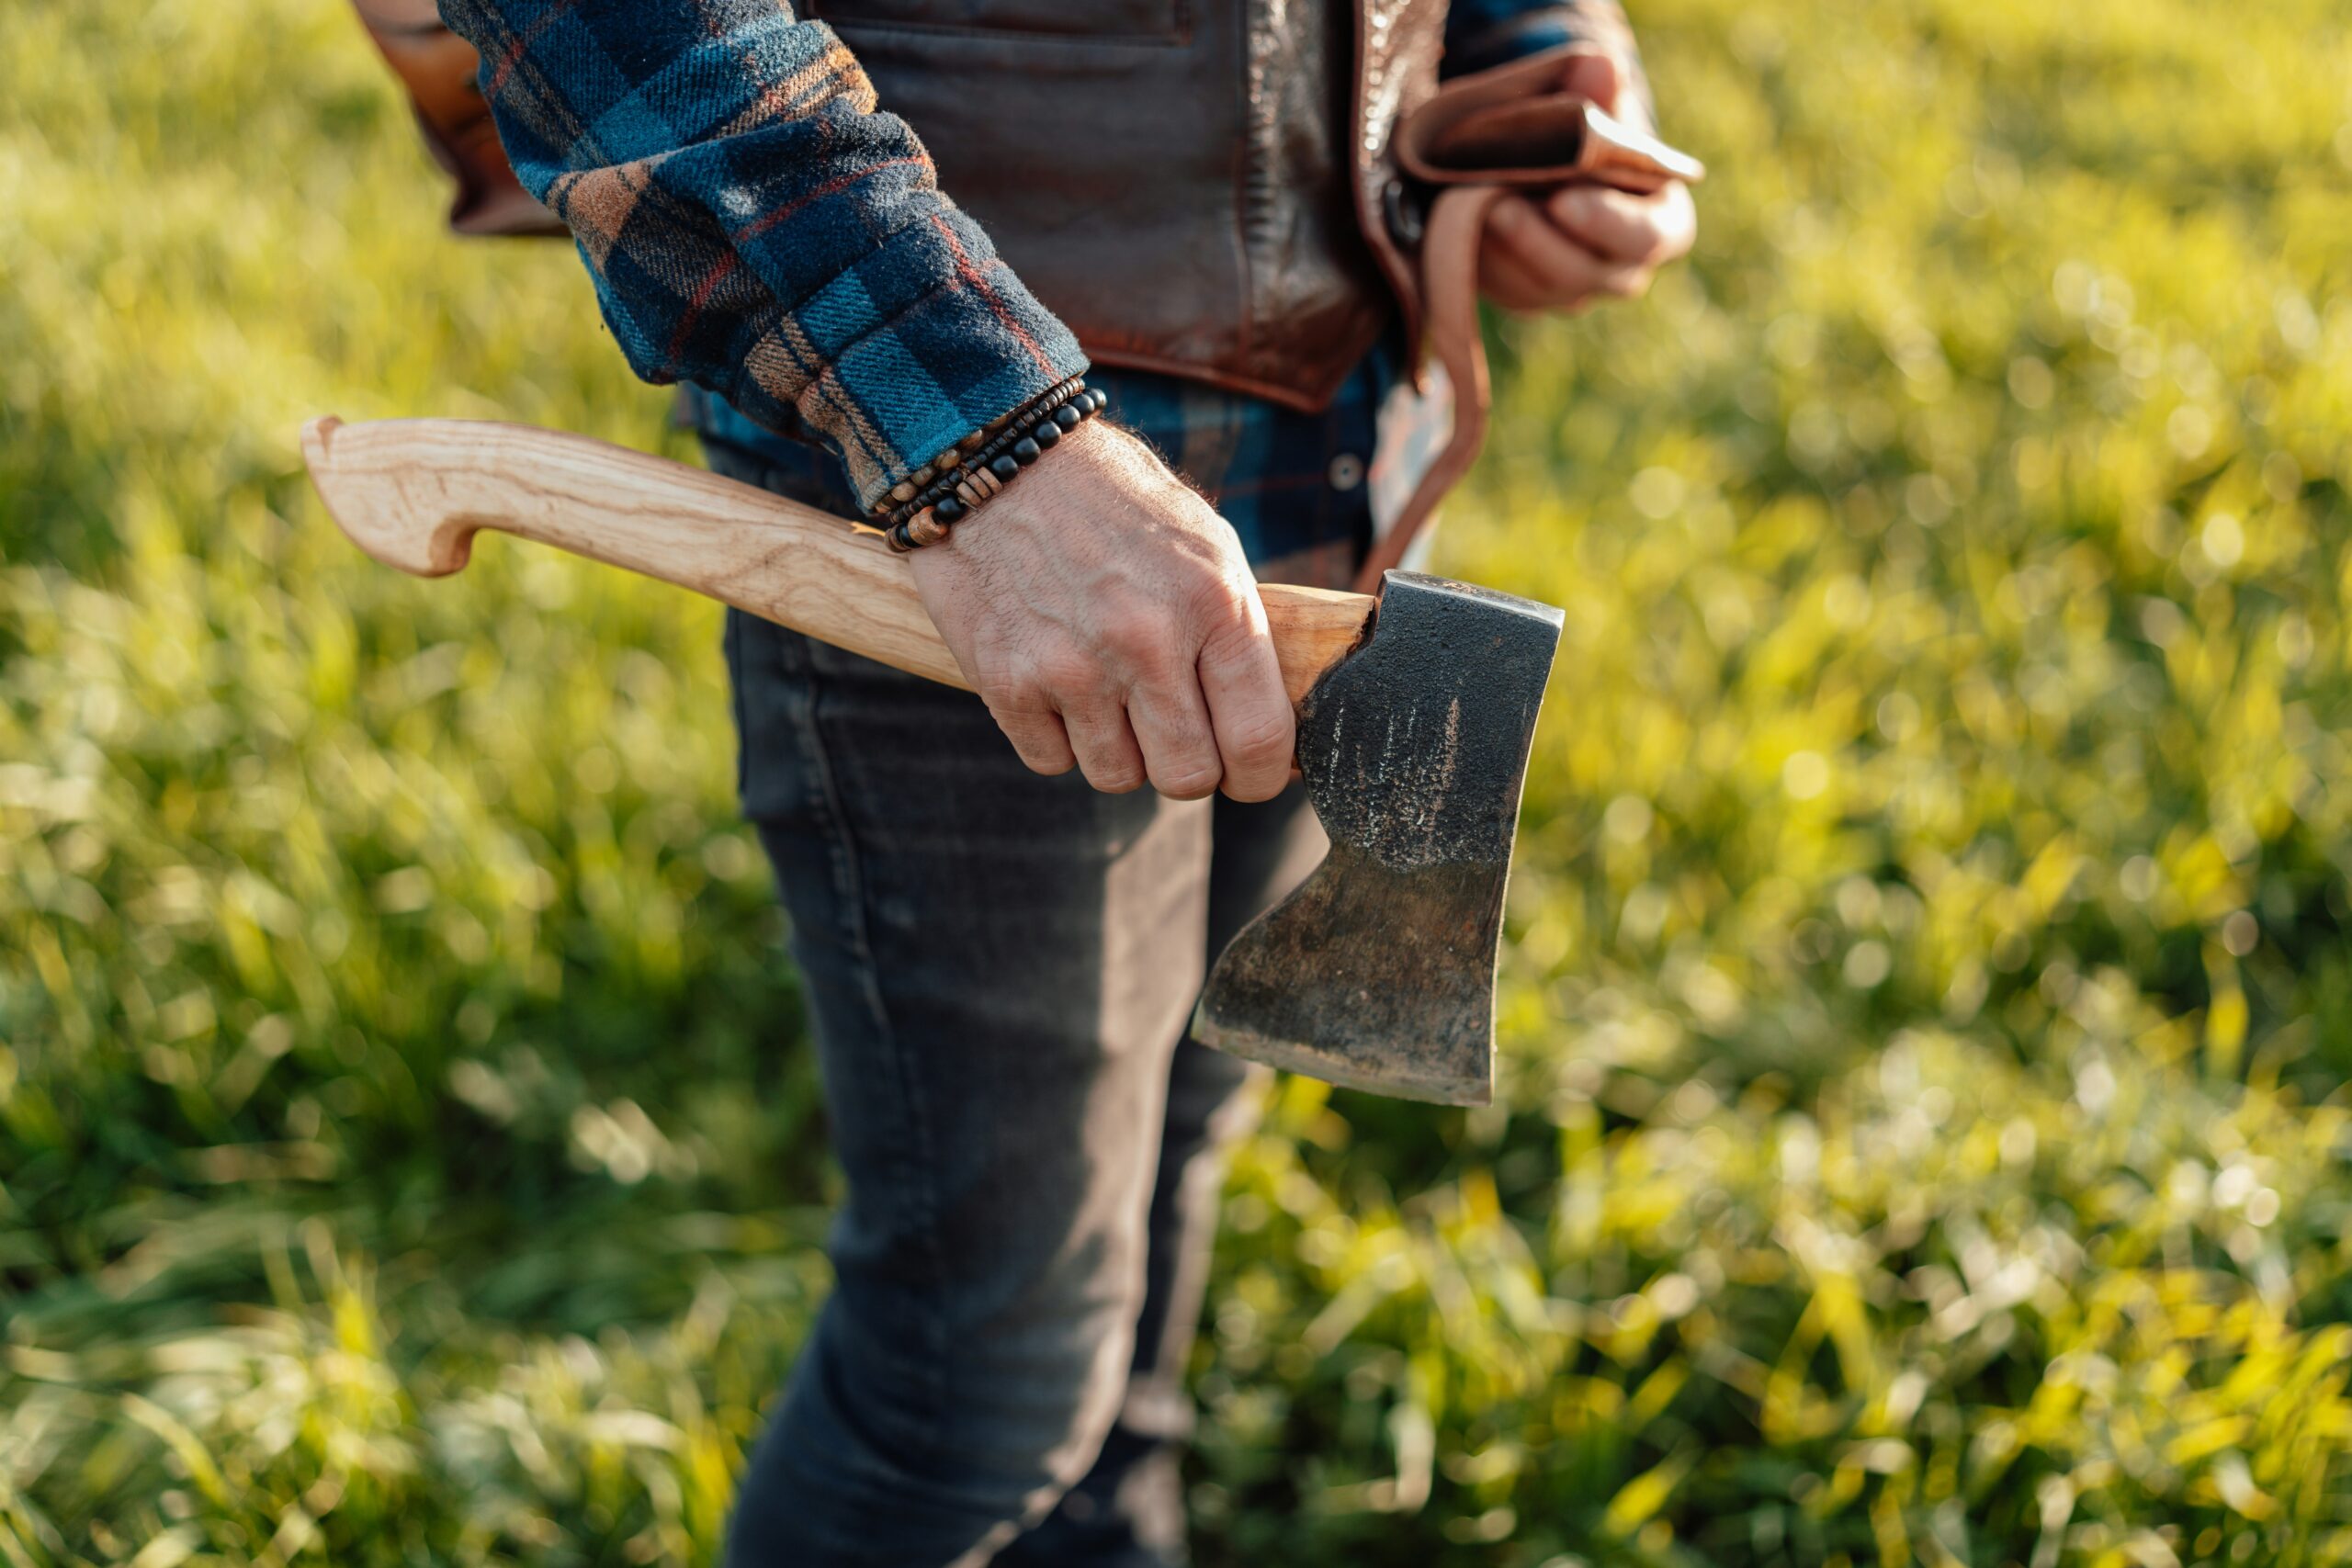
{"points": [[1922, 1137]]}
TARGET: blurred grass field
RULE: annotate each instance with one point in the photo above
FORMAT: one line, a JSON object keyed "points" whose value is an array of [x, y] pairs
{"points": [[1923, 1136]]}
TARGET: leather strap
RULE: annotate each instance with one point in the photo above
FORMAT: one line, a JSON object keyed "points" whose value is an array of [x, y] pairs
{"points": [[1510, 128]]}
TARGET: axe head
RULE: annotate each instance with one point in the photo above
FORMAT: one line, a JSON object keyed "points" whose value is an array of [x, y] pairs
{"points": [[1378, 973]]}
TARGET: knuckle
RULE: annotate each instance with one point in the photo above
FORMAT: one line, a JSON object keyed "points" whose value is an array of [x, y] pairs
{"points": [[1220, 604], [1115, 778], [1009, 682], [1009, 695], [1150, 646], [1264, 737], [1188, 780], [1244, 658], [1047, 762], [1068, 672], [994, 677]]}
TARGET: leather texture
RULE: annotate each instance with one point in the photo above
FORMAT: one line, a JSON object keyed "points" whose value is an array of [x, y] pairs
{"points": [[1199, 187], [437, 68], [1172, 178], [1241, 192], [1513, 128], [1398, 45]]}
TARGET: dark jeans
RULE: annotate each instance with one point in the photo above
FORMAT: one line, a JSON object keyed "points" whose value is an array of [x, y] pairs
{"points": [[999, 968]]}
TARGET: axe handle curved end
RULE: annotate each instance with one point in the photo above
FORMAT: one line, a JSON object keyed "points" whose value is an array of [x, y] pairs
{"points": [[413, 493]]}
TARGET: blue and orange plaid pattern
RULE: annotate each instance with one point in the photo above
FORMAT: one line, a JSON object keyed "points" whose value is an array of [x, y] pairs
{"points": [[756, 227], [1298, 488]]}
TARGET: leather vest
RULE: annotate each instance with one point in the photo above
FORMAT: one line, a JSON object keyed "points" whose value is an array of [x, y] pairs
{"points": [[1202, 188]]}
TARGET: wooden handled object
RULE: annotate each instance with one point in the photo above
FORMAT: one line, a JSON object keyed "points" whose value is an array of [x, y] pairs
{"points": [[413, 493]]}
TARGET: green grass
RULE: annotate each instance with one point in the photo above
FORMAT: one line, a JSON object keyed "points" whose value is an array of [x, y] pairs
{"points": [[1922, 1137]]}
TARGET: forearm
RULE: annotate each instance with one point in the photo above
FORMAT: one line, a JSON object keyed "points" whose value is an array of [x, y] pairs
{"points": [[757, 225]]}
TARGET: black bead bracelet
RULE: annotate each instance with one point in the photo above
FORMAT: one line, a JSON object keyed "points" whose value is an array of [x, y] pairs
{"points": [[940, 477], [928, 516], [935, 477], [975, 476]]}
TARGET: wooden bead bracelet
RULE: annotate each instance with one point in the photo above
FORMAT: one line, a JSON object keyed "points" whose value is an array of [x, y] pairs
{"points": [[928, 517], [904, 499], [982, 468]]}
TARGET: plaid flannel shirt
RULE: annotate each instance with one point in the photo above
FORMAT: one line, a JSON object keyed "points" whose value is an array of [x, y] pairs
{"points": [[755, 225], [759, 228]]}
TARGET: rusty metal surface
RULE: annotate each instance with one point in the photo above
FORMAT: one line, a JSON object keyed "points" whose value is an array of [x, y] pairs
{"points": [[1379, 971]]}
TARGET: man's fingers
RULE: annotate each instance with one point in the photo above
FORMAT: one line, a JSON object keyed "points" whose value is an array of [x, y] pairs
{"points": [[1180, 751], [1037, 734], [1595, 76], [1082, 614], [1250, 713], [1620, 227], [1504, 279], [1568, 272], [1105, 747]]}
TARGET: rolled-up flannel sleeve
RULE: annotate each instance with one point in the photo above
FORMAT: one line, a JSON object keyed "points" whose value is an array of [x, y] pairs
{"points": [[757, 226], [1481, 34]]}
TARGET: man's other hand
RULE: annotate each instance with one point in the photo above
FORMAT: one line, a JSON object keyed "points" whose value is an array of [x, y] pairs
{"points": [[1583, 243], [1107, 617]]}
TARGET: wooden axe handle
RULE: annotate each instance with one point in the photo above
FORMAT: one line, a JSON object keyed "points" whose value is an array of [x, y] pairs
{"points": [[413, 492]]}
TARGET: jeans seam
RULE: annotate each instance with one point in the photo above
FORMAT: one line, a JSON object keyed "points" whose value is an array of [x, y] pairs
{"points": [[849, 887], [731, 643]]}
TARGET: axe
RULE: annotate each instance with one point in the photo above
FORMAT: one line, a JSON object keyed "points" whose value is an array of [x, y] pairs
{"points": [[1415, 715]]}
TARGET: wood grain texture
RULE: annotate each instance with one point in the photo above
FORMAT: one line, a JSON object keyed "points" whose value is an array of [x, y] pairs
{"points": [[413, 493]]}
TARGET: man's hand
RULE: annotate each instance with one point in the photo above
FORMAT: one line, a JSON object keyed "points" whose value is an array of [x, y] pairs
{"points": [[1107, 617], [1583, 243]]}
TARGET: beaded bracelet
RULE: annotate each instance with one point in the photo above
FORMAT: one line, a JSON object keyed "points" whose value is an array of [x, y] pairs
{"points": [[975, 454], [936, 477], [931, 516]]}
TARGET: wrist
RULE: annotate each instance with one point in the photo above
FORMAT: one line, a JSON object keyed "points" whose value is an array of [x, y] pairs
{"points": [[925, 509]]}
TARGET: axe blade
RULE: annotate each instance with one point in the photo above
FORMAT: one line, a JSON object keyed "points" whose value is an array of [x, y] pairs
{"points": [[1378, 972]]}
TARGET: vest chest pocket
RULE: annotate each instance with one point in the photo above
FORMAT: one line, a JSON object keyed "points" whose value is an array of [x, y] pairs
{"points": [[1065, 21]]}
